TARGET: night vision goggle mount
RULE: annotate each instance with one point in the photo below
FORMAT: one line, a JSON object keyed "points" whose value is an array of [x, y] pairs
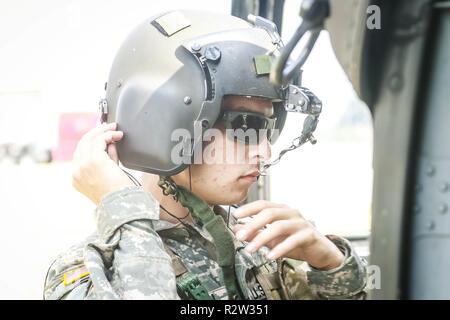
{"points": [[298, 99]]}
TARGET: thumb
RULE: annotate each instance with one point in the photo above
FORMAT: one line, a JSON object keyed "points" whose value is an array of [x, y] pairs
{"points": [[112, 152]]}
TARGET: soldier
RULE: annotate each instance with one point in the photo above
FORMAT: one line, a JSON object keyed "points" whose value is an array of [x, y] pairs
{"points": [[178, 235]]}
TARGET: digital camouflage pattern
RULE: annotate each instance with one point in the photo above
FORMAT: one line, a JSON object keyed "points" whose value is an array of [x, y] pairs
{"points": [[134, 255]]}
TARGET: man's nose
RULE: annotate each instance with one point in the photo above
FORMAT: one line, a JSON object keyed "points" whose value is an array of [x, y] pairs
{"points": [[261, 151]]}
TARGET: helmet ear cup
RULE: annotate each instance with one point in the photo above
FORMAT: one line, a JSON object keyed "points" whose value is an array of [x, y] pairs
{"points": [[155, 119]]}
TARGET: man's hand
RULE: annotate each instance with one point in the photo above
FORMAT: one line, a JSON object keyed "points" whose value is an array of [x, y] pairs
{"points": [[96, 171], [287, 233]]}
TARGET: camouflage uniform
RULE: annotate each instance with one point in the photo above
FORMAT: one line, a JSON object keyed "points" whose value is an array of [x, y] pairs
{"points": [[134, 255]]}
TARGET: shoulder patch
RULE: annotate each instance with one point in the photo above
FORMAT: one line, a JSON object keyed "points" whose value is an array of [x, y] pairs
{"points": [[74, 275]]}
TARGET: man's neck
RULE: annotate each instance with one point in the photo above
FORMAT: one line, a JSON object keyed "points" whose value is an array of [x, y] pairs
{"points": [[175, 209]]}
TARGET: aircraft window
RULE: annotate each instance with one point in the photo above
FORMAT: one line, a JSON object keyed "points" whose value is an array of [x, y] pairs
{"points": [[330, 182]]}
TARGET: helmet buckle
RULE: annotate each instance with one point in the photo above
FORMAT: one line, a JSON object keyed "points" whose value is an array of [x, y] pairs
{"points": [[103, 107]]}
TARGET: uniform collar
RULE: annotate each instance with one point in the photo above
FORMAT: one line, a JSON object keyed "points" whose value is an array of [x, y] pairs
{"points": [[160, 225]]}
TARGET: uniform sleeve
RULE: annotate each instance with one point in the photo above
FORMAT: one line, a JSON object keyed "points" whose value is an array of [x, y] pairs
{"points": [[127, 260], [348, 281]]}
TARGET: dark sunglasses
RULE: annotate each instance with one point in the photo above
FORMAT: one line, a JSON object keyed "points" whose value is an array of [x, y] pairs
{"points": [[245, 126]]}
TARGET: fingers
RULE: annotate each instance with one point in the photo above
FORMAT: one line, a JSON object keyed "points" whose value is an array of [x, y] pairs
{"points": [[100, 129], [96, 172], [276, 230], [262, 219], [90, 151], [255, 207], [85, 149], [237, 227], [272, 243], [295, 241], [287, 233], [100, 141], [112, 152], [275, 226]]}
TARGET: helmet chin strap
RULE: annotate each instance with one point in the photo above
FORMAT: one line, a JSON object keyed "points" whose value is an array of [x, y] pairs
{"points": [[216, 227], [300, 100], [306, 136]]}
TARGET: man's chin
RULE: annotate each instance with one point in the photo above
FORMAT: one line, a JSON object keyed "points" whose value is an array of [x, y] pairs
{"points": [[241, 192], [235, 196]]}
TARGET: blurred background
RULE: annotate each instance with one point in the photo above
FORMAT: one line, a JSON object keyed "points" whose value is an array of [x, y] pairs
{"points": [[54, 60]]}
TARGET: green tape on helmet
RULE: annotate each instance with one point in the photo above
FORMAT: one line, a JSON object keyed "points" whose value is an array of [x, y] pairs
{"points": [[263, 64]]}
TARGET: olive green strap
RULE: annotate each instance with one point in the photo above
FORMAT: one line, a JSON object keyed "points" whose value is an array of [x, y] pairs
{"points": [[216, 227]]}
